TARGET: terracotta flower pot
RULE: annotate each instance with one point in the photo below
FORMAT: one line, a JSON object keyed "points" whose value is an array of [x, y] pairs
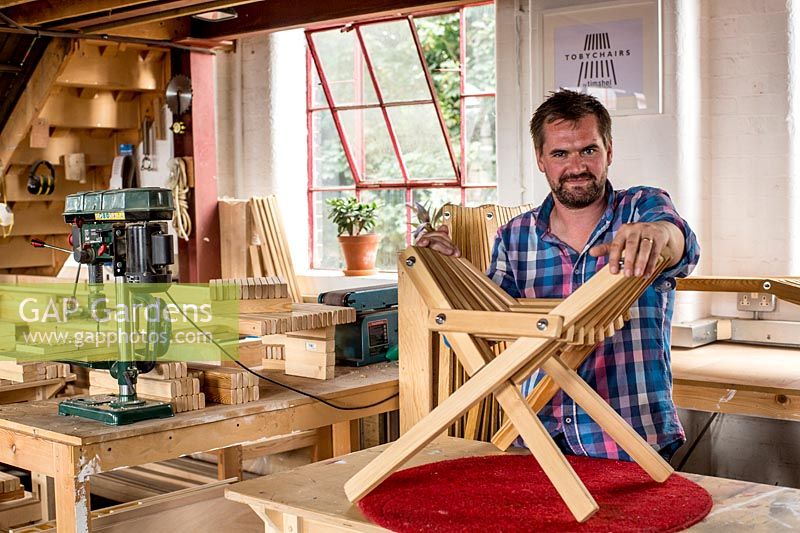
{"points": [[359, 253]]}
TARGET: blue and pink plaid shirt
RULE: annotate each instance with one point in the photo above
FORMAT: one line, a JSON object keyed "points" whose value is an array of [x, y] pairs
{"points": [[631, 370]]}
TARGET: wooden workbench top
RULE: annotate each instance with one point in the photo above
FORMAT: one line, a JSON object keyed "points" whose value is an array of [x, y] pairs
{"points": [[41, 419], [750, 366], [316, 492]]}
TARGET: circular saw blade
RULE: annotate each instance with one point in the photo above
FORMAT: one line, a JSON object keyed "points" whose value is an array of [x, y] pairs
{"points": [[179, 94]]}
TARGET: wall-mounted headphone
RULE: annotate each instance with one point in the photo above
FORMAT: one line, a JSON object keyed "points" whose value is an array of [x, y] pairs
{"points": [[42, 184]]}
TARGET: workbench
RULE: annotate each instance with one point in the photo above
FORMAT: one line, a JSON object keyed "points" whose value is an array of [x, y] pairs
{"points": [[71, 450], [740, 379], [311, 498]]}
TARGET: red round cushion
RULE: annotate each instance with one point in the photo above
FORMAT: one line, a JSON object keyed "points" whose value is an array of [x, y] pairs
{"points": [[509, 493]]}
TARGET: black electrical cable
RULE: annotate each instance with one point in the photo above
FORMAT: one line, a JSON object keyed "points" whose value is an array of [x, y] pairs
{"points": [[696, 441], [274, 381]]}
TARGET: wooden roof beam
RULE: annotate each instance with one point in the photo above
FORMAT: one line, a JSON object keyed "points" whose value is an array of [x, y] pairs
{"points": [[165, 14], [275, 15], [33, 99], [43, 11]]}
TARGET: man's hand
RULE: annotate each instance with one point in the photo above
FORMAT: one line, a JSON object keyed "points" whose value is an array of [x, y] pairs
{"points": [[439, 241], [642, 243]]}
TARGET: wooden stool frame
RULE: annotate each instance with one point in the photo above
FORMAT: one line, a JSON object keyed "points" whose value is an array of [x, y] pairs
{"points": [[459, 300]]}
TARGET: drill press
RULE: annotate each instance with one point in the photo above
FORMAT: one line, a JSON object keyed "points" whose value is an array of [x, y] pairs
{"points": [[128, 230]]}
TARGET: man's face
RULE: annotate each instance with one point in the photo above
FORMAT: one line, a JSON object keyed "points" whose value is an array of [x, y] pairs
{"points": [[575, 160]]}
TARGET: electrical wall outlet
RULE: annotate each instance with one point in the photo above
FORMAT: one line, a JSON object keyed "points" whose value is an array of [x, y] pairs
{"points": [[755, 301]]}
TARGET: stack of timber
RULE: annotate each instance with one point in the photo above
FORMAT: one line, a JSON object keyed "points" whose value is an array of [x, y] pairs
{"points": [[306, 353], [10, 487], [231, 386], [200, 508], [169, 382], [153, 479], [22, 372], [20, 512], [252, 295], [255, 243], [81, 102], [302, 317], [473, 230]]}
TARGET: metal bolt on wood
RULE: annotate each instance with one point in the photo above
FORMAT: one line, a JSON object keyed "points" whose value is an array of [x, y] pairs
{"points": [[410, 261], [440, 318], [542, 324]]}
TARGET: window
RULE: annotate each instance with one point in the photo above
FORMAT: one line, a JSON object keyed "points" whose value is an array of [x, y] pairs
{"points": [[400, 110]]}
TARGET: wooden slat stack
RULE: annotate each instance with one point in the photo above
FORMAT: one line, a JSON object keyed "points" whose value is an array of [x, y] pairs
{"points": [[182, 391], [255, 243], [473, 230], [306, 353], [225, 385], [302, 317], [270, 257], [252, 295], [10, 488], [22, 372]]}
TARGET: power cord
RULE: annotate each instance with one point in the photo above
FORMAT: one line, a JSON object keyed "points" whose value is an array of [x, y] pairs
{"points": [[178, 182], [274, 381]]}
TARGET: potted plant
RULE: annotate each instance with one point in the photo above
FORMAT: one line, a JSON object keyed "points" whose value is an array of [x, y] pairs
{"points": [[354, 222]]}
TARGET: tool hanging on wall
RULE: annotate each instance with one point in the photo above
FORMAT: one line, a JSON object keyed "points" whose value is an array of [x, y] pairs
{"points": [[148, 145], [178, 182], [179, 100], [42, 184]]}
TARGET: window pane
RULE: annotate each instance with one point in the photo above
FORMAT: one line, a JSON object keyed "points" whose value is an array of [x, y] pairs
{"points": [[395, 60], [344, 67], [317, 94], [327, 253], [476, 197], [479, 29], [330, 168], [421, 142], [370, 145], [480, 148], [439, 37], [436, 198], [391, 224]]}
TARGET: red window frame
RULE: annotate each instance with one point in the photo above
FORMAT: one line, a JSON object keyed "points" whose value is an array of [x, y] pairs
{"points": [[459, 166]]}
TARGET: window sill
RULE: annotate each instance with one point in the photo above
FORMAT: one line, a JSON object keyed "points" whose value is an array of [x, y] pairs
{"points": [[314, 282]]}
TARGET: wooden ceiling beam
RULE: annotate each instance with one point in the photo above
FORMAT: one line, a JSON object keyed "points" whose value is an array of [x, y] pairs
{"points": [[275, 15], [115, 16], [8, 3], [44, 11], [165, 14]]}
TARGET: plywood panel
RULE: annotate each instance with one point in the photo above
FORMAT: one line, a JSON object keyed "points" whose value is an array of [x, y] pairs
{"points": [[112, 67], [67, 107]]}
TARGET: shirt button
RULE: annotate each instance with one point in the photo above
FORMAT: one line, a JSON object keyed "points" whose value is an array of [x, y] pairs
{"points": [[568, 420]]}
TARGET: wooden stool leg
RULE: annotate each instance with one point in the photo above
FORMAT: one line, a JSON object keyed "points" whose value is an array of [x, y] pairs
{"points": [[501, 369], [608, 419], [553, 463]]}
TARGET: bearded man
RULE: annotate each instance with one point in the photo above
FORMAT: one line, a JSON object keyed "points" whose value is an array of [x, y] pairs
{"points": [[553, 249]]}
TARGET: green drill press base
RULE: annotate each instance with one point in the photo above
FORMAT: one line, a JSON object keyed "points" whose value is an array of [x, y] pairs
{"points": [[99, 408]]}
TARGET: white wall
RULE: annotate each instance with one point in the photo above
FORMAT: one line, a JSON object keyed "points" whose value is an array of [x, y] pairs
{"points": [[261, 108], [721, 147]]}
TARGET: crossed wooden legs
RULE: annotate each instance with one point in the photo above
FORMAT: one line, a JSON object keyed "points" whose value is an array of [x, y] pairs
{"points": [[497, 375]]}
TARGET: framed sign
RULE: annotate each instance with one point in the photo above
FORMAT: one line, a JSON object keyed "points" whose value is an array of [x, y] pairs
{"points": [[611, 51]]}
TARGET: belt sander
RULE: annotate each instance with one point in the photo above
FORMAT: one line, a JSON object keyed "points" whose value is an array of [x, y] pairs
{"points": [[374, 332]]}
